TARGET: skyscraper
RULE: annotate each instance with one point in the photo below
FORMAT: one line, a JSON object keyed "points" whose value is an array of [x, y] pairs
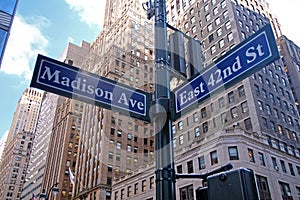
{"points": [[111, 144], [18, 145], [40, 147], [253, 124], [63, 144]]}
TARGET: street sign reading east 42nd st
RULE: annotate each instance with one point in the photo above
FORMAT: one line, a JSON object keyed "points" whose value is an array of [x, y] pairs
{"points": [[62, 79], [251, 55]]}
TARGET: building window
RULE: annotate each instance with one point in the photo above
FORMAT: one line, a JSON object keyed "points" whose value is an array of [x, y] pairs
{"points": [[213, 49], [152, 182], [251, 155], [225, 14], [116, 195], [298, 192], [241, 23], [221, 43], [221, 102], [209, 27], [207, 17], [201, 160], [190, 167], [244, 106], [187, 192], [248, 124], [282, 163], [223, 118], [181, 139], [263, 187], [197, 131], [217, 21], [227, 25], [285, 190], [241, 91], [223, 4], [280, 130], [214, 157], [180, 125], [119, 145], [216, 11], [291, 169], [219, 32], [230, 37], [174, 143], [261, 159], [143, 185], [108, 181], [203, 112], [173, 129], [206, 7], [195, 117], [205, 127], [179, 169], [274, 161], [233, 153], [234, 113], [129, 191], [129, 148], [194, 29], [136, 188]]}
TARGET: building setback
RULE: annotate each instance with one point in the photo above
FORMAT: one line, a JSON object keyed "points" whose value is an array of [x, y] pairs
{"points": [[18, 145], [253, 124]]}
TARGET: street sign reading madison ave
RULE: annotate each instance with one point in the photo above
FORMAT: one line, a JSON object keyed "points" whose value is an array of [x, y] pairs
{"points": [[249, 56], [62, 79]]}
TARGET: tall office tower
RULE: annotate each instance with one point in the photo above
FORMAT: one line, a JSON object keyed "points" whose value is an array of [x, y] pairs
{"points": [[113, 144], [253, 124], [261, 105], [63, 144], [18, 145], [7, 13], [40, 147], [291, 59]]}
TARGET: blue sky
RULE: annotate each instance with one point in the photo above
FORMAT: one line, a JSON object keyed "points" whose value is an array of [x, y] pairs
{"points": [[43, 27], [46, 27]]}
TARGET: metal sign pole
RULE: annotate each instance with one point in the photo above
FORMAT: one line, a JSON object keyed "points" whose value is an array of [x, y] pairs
{"points": [[165, 173]]}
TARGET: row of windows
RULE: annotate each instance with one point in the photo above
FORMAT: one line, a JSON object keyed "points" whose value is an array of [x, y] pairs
{"points": [[130, 137], [282, 146], [131, 127], [135, 189], [284, 168], [221, 104], [266, 108], [233, 154], [205, 127]]}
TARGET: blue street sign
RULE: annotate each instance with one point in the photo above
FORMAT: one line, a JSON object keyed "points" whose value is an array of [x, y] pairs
{"points": [[62, 79], [251, 55]]}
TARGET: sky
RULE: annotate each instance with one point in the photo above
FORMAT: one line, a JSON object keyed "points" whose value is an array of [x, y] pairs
{"points": [[46, 27]]}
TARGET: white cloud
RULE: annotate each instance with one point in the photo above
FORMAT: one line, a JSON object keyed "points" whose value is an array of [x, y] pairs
{"points": [[288, 16], [25, 42], [89, 11]]}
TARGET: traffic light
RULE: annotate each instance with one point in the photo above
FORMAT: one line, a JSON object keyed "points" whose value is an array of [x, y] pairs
{"points": [[177, 52], [235, 184], [195, 57]]}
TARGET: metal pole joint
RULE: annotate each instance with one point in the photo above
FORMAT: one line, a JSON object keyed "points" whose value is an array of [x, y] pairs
{"points": [[165, 174]]}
